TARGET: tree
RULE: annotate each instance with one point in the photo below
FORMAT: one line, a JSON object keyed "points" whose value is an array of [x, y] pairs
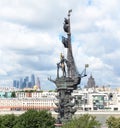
{"points": [[7, 121], [1, 126], [45, 120], [113, 122], [84, 121], [35, 119], [13, 94]]}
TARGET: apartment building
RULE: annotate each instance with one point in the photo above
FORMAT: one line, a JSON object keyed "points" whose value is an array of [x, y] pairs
{"points": [[85, 99]]}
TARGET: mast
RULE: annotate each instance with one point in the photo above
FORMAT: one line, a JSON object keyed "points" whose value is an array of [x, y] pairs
{"points": [[71, 68]]}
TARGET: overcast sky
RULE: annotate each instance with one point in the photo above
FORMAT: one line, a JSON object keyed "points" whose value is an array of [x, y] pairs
{"points": [[30, 32]]}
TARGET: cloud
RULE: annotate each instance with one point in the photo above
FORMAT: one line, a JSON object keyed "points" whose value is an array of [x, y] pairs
{"points": [[2, 72]]}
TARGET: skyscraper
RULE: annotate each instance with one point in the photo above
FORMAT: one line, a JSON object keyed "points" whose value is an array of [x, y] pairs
{"points": [[32, 80], [38, 83], [21, 83], [15, 83], [27, 81]]}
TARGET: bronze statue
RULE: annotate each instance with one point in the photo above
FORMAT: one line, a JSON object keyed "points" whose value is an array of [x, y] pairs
{"points": [[69, 80], [61, 65]]}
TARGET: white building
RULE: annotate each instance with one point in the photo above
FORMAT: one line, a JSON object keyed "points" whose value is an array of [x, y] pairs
{"points": [[29, 100], [85, 99]]}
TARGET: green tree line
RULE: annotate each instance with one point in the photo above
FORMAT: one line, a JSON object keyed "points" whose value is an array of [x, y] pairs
{"points": [[30, 119], [44, 119], [113, 122], [84, 121]]}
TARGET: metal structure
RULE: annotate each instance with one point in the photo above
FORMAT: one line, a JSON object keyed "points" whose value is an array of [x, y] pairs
{"points": [[69, 80]]}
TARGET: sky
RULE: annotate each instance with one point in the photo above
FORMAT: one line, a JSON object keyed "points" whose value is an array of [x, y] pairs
{"points": [[30, 39]]}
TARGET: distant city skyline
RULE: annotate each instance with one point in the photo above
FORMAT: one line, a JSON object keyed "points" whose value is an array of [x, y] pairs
{"points": [[27, 82], [30, 32]]}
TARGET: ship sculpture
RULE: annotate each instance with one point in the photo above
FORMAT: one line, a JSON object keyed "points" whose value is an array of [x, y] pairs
{"points": [[69, 80]]}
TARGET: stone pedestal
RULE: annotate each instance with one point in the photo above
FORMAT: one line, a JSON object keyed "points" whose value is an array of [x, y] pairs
{"points": [[65, 106]]}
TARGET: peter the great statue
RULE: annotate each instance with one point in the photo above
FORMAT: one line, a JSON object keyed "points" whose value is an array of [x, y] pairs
{"points": [[69, 80]]}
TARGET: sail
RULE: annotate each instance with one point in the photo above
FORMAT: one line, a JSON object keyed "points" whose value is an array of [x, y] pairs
{"points": [[72, 70], [65, 41]]}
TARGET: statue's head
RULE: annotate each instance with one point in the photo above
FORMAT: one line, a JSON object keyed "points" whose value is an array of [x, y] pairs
{"points": [[61, 56]]}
